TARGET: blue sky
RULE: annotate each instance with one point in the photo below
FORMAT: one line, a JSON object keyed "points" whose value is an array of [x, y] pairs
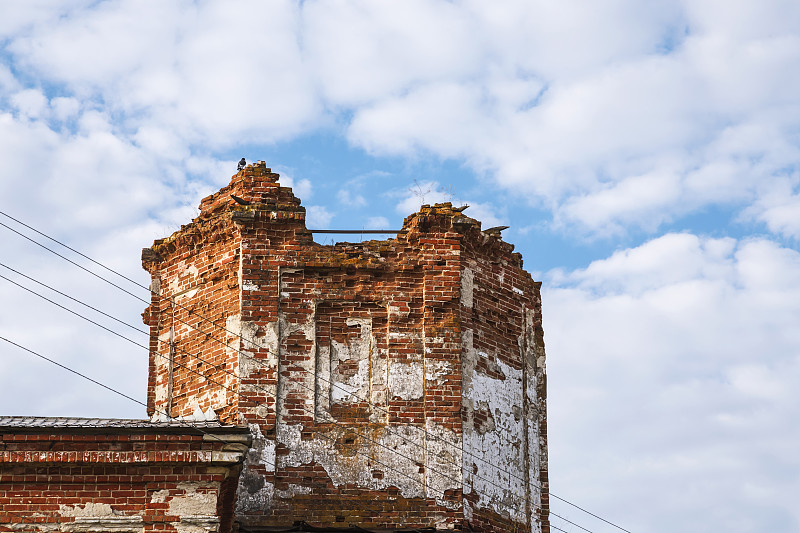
{"points": [[644, 154]]}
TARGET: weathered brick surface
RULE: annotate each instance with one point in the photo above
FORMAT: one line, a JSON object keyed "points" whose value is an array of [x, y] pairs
{"points": [[74, 479], [387, 383]]}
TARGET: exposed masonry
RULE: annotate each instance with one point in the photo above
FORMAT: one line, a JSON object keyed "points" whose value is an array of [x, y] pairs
{"points": [[394, 383]]}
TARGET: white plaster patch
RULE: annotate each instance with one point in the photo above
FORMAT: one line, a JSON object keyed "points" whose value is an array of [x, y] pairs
{"points": [[188, 294], [293, 490], [467, 287], [498, 454], [517, 290], [249, 286], [396, 451], [193, 503], [88, 509], [254, 491], [443, 471], [436, 369], [405, 380], [352, 389], [159, 496], [196, 525]]}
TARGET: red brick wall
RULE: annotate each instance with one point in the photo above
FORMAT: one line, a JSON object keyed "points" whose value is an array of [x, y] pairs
{"points": [[146, 482]]}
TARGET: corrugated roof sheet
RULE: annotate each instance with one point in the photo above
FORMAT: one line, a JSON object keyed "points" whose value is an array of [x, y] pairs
{"points": [[59, 422]]}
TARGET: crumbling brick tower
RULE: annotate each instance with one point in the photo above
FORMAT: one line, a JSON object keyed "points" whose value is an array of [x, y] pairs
{"points": [[395, 383]]}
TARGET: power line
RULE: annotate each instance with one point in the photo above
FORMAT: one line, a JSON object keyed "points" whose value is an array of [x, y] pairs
{"points": [[70, 297], [84, 376], [240, 352], [197, 428], [98, 276], [238, 392], [187, 423], [425, 432], [206, 378]]}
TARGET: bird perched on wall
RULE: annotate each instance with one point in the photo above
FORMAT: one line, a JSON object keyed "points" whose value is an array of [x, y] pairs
{"points": [[240, 201], [460, 209], [242, 164], [495, 230]]}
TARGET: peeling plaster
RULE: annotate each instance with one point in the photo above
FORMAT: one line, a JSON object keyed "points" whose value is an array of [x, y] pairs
{"points": [[293, 490], [495, 452], [444, 455], [193, 503], [467, 287], [337, 383], [406, 380], [186, 294], [435, 371], [397, 451], [254, 491], [88, 509]]}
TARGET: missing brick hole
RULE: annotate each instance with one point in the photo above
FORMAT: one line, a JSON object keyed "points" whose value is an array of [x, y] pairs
{"points": [[340, 519], [349, 440]]}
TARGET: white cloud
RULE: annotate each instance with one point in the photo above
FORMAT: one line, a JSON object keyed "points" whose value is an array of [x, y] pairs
{"points": [[782, 216], [377, 223], [30, 103], [175, 66], [301, 188], [778, 206], [387, 47], [632, 131], [611, 115], [431, 192], [351, 199], [672, 365], [677, 361], [318, 217]]}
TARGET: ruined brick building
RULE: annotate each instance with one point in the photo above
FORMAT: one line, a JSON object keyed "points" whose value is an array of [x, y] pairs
{"points": [[385, 384]]}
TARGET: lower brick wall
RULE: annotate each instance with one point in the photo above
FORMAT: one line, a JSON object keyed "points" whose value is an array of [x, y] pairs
{"points": [[100, 497], [62, 481]]}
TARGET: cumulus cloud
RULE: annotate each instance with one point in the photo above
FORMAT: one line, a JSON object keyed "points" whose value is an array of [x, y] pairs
{"points": [[107, 194], [675, 362], [636, 127], [672, 363], [377, 223], [431, 192], [778, 206], [388, 47], [165, 63], [301, 188], [350, 198], [611, 115], [318, 217]]}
